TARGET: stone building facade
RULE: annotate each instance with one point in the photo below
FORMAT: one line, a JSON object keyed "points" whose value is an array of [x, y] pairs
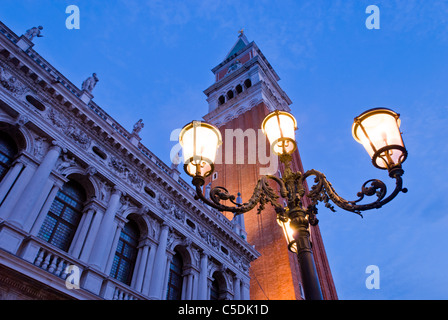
{"points": [[88, 212]]}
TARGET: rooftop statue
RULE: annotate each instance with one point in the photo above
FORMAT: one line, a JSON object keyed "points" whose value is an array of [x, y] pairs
{"points": [[34, 32], [138, 127], [90, 83]]}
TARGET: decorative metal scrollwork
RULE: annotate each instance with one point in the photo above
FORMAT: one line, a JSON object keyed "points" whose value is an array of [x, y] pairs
{"points": [[291, 187]]}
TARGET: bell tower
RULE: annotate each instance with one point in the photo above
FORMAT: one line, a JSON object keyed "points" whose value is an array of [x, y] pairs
{"points": [[246, 89]]}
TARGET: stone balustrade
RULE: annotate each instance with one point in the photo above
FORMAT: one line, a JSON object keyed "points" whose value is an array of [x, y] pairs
{"points": [[57, 262]]}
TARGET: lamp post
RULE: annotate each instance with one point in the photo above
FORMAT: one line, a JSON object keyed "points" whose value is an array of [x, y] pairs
{"points": [[378, 131]]}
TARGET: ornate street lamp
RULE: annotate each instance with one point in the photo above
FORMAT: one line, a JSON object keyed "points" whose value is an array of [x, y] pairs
{"points": [[377, 129], [199, 141], [280, 127]]}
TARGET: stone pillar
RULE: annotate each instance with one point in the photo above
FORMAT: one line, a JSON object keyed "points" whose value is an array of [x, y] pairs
{"points": [[103, 240], [169, 259], [245, 291], [194, 295], [34, 214], [113, 247], [183, 295], [148, 270], [91, 235], [158, 273], [10, 178], [45, 208], [81, 232], [190, 286], [16, 190], [137, 263], [140, 269], [30, 195], [236, 288], [187, 284], [209, 285], [202, 290]]}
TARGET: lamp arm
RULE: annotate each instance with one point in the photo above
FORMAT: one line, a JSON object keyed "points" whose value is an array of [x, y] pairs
{"points": [[324, 191], [262, 194]]}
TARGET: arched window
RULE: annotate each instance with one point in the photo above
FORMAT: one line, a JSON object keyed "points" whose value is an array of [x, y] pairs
{"points": [[218, 286], [8, 150], [214, 290], [247, 83], [238, 89], [126, 254], [221, 100], [175, 278], [229, 94], [63, 218]]}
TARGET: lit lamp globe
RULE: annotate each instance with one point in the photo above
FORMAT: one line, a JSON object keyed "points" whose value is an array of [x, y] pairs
{"points": [[285, 224], [200, 142], [288, 232], [378, 130], [280, 127]]}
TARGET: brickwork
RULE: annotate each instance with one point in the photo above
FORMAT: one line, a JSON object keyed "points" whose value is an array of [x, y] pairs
{"points": [[275, 275]]}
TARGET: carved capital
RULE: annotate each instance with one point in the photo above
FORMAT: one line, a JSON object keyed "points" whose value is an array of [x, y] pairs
{"points": [[22, 120], [57, 145], [118, 191], [90, 171]]}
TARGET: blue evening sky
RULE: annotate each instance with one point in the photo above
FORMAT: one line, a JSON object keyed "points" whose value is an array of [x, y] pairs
{"points": [[153, 59]]}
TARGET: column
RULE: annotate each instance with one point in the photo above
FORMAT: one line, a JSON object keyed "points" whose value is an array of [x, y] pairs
{"points": [[45, 208], [103, 240], [81, 233], [209, 285], [30, 195], [245, 291], [34, 214], [137, 263], [195, 286], [167, 274], [236, 288], [113, 247], [148, 270], [91, 235], [10, 178], [190, 286], [16, 190], [183, 295], [187, 285], [157, 278], [141, 267], [202, 290]]}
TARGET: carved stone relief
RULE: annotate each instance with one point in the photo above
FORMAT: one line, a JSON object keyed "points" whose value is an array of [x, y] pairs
{"points": [[172, 237], [64, 163], [69, 128], [39, 147], [11, 83], [208, 237], [123, 171]]}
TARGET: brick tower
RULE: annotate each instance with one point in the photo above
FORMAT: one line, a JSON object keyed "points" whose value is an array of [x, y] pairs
{"points": [[245, 90]]}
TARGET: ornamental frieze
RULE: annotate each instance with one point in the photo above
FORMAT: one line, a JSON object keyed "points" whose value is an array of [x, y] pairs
{"points": [[68, 127], [11, 83]]}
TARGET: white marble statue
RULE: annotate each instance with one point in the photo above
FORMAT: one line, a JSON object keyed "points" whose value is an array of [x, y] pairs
{"points": [[90, 83], [34, 32]]}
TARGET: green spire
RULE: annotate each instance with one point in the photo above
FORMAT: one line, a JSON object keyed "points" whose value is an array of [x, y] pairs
{"points": [[240, 44]]}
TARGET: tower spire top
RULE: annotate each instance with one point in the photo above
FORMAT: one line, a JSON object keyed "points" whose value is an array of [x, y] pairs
{"points": [[241, 43]]}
